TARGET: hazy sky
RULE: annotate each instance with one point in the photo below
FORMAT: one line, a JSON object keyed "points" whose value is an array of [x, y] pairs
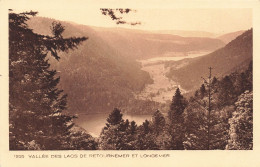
{"points": [[212, 20]]}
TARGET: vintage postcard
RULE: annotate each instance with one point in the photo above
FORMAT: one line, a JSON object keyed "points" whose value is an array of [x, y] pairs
{"points": [[129, 83]]}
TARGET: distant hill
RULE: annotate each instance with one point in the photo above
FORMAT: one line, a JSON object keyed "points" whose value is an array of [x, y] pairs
{"points": [[140, 44], [95, 76], [181, 33], [236, 55], [226, 38], [187, 33]]}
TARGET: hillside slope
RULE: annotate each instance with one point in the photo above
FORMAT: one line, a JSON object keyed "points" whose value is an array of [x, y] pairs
{"points": [[187, 33], [226, 38], [95, 76], [235, 55]]}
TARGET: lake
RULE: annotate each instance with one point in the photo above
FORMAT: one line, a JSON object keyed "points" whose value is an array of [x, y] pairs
{"points": [[93, 123], [173, 58]]}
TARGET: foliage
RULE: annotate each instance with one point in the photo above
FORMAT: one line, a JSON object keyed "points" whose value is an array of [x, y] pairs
{"points": [[118, 134], [113, 14], [241, 124], [79, 139], [35, 102], [188, 124], [196, 127], [158, 122], [114, 118], [176, 127], [145, 138], [225, 93]]}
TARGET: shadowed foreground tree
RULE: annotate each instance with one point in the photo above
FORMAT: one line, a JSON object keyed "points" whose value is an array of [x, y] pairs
{"points": [[35, 102], [176, 127], [158, 122], [146, 140], [118, 134]]}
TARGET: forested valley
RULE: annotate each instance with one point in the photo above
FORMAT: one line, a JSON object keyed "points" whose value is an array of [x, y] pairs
{"points": [[217, 114]]}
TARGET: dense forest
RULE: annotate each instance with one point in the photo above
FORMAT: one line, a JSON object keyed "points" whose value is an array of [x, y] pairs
{"points": [[218, 116]]}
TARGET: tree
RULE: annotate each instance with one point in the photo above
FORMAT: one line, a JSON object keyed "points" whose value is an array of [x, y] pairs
{"points": [[243, 81], [146, 139], [146, 128], [177, 106], [81, 140], [113, 14], [241, 124], [115, 118], [195, 120], [158, 122], [249, 74], [35, 102], [115, 135], [212, 131], [133, 128], [201, 131], [175, 115], [202, 91], [226, 94]]}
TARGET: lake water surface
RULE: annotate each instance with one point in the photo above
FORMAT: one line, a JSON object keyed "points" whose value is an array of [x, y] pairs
{"points": [[93, 123]]}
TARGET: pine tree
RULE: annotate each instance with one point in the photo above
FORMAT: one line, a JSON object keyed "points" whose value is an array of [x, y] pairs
{"points": [[177, 106], [146, 139], [195, 120], [114, 135], [202, 91], [133, 128], [176, 126], [249, 74], [146, 127], [226, 94], [81, 140], [115, 118], [241, 124], [158, 122], [36, 104]]}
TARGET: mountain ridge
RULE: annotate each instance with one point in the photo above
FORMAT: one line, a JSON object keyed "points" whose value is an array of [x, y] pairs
{"points": [[228, 37], [139, 45], [224, 61]]}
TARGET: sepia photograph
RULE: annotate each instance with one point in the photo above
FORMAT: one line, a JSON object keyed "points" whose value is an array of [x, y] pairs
{"points": [[154, 83], [129, 82]]}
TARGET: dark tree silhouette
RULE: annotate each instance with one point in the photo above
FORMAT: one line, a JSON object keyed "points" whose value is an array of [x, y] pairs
{"points": [[158, 122], [202, 91], [176, 120], [115, 117], [114, 15], [36, 104]]}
